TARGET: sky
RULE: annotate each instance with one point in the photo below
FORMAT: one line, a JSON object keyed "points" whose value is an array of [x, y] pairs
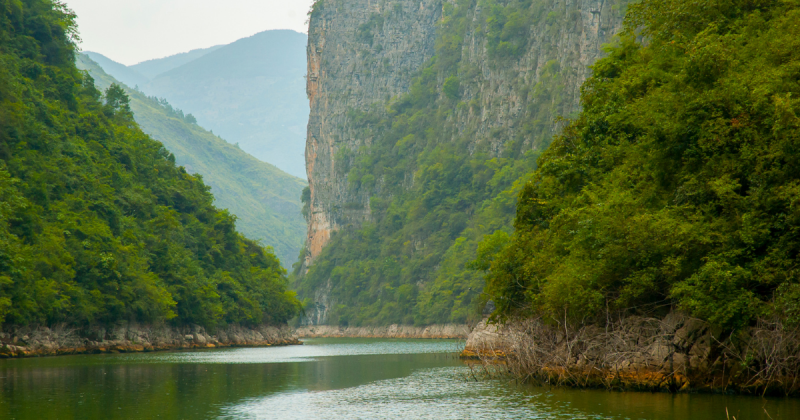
{"points": [[132, 31]]}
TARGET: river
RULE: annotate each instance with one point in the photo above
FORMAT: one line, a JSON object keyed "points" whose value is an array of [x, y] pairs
{"points": [[326, 379]]}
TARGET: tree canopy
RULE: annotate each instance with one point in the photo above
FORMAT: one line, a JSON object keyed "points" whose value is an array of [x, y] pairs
{"points": [[97, 224], [679, 184]]}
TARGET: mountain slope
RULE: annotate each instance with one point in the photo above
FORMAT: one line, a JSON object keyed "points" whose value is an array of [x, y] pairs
{"points": [[403, 190], [97, 223], [152, 68], [265, 200], [253, 93], [678, 186], [120, 71]]}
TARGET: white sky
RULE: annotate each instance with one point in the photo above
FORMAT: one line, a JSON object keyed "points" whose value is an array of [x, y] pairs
{"points": [[132, 31]]}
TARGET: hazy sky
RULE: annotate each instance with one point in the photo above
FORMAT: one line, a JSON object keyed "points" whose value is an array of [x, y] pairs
{"points": [[131, 31]]}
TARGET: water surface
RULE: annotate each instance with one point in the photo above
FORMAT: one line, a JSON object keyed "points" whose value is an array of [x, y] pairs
{"points": [[328, 379]]}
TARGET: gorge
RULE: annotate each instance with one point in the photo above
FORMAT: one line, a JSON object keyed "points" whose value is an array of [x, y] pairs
{"points": [[426, 117]]}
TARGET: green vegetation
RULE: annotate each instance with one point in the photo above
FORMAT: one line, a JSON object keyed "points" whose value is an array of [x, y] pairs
{"points": [[435, 189], [97, 223], [679, 184], [265, 201]]}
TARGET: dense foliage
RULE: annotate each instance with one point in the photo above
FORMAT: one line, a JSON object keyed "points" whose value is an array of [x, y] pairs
{"points": [[679, 185], [97, 224], [265, 200], [435, 188]]}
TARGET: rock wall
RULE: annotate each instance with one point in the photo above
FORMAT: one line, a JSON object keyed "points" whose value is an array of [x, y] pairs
{"points": [[392, 331], [363, 52], [360, 53], [27, 342], [676, 353]]}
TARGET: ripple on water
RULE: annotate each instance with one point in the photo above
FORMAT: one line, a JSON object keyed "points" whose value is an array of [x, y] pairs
{"points": [[440, 393], [311, 350]]}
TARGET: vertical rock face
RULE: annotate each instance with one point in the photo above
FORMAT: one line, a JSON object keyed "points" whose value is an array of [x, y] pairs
{"points": [[364, 53], [360, 53]]}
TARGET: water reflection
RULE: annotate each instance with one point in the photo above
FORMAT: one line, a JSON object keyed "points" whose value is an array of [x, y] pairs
{"points": [[324, 379]]}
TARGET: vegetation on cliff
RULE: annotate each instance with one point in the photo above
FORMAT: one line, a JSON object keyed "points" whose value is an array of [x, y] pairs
{"points": [[436, 187], [97, 223], [679, 184], [265, 200]]}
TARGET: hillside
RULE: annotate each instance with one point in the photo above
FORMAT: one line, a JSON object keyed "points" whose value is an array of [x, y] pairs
{"points": [[678, 184], [97, 224], [253, 92], [121, 72], [426, 121], [265, 200]]}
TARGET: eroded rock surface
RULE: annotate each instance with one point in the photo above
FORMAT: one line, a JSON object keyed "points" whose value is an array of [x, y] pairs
{"points": [[390, 331], [27, 342]]}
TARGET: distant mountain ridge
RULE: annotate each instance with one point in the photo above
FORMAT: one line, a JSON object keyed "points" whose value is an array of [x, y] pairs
{"points": [[250, 92], [265, 199], [152, 68]]}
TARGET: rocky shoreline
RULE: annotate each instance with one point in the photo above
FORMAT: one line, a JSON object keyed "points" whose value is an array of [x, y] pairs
{"points": [[457, 331], [676, 354], [125, 338]]}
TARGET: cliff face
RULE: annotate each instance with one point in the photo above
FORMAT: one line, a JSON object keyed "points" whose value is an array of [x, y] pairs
{"points": [[360, 53], [504, 71]]}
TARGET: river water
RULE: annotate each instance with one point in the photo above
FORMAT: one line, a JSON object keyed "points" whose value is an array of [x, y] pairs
{"points": [[326, 379]]}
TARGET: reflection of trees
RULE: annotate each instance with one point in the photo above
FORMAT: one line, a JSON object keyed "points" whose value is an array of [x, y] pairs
{"points": [[134, 391]]}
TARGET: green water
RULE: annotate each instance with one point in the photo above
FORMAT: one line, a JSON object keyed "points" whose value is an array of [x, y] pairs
{"points": [[325, 379]]}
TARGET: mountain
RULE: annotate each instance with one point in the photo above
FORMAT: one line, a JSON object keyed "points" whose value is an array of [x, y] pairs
{"points": [[677, 187], [120, 71], [152, 68], [251, 92], [427, 118], [98, 225], [265, 200]]}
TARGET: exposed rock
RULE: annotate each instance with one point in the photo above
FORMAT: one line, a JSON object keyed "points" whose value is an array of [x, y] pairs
{"points": [[677, 353], [347, 71], [391, 331], [125, 338], [363, 52]]}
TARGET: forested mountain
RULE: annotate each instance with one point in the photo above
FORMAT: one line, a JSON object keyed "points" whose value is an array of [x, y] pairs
{"points": [[404, 188], [97, 223], [265, 200], [152, 68], [250, 92], [121, 72], [679, 183]]}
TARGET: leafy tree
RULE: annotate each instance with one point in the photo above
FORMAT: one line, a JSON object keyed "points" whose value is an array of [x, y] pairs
{"points": [[678, 184], [97, 224]]}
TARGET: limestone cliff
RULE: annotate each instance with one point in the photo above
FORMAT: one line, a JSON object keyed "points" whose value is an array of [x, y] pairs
{"points": [[360, 53], [363, 52], [503, 73]]}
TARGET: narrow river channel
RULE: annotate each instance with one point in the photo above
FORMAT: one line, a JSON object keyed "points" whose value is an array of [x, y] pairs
{"points": [[326, 379]]}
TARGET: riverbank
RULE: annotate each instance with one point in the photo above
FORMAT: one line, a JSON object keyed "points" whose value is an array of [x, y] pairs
{"points": [[125, 338], [676, 354], [457, 331]]}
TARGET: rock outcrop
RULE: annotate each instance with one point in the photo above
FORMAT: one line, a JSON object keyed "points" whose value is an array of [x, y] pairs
{"points": [[676, 353], [360, 53], [28, 342], [392, 331], [363, 53]]}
